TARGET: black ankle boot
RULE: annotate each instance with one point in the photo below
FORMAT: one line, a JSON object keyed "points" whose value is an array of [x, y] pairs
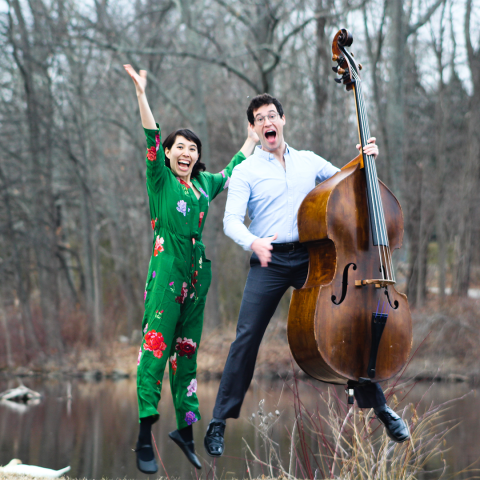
{"points": [[145, 458], [187, 447]]}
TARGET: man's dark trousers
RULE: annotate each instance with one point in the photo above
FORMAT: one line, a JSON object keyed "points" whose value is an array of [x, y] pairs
{"points": [[264, 288]]}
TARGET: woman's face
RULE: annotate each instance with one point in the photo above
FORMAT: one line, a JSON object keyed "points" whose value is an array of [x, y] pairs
{"points": [[183, 155]]}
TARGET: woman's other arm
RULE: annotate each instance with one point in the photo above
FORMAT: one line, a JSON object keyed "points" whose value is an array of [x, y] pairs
{"points": [[250, 142], [220, 181]]}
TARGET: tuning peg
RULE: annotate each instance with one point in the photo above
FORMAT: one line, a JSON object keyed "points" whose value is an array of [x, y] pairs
{"points": [[340, 70], [338, 80], [335, 57], [335, 69], [360, 66]]}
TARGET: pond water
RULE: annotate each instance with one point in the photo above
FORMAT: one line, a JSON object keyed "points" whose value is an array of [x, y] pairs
{"points": [[92, 426]]}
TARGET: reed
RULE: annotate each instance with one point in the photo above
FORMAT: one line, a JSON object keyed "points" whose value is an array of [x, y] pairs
{"points": [[337, 441]]}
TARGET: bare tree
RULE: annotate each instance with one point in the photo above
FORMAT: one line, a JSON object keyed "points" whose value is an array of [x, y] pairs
{"points": [[464, 239], [31, 55]]}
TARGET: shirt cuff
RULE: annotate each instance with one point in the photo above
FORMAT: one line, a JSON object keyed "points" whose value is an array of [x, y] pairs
{"points": [[248, 240]]}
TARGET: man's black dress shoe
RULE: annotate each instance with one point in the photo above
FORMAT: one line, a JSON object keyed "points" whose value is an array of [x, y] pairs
{"points": [[187, 448], [396, 428], [146, 466], [213, 441]]}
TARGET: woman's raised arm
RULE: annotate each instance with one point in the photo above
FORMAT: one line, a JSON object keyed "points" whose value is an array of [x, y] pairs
{"points": [[140, 81]]}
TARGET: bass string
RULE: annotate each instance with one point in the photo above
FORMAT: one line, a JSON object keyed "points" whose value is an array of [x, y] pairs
{"points": [[377, 207], [364, 133]]}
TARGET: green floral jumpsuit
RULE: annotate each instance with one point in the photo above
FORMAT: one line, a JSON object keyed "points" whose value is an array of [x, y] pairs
{"points": [[179, 276]]}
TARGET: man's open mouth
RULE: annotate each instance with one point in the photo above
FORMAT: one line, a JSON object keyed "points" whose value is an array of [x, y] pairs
{"points": [[270, 135]]}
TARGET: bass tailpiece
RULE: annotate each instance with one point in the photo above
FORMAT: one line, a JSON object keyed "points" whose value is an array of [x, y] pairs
{"points": [[378, 325]]}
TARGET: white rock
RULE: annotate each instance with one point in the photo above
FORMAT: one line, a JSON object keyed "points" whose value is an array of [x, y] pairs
{"points": [[16, 467]]}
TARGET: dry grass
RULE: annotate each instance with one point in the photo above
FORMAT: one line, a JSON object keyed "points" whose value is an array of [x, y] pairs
{"points": [[340, 442]]}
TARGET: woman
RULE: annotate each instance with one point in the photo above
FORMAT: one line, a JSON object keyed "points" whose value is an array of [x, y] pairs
{"points": [[179, 275]]}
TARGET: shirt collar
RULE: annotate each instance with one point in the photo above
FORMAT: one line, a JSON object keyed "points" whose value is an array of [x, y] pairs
{"points": [[267, 155]]}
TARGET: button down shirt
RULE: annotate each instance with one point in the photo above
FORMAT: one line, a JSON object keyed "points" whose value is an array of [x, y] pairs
{"points": [[272, 194]]}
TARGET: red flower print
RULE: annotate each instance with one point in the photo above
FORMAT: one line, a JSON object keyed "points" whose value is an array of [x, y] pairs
{"points": [[201, 218], [185, 347], [158, 246], [173, 363], [181, 298], [194, 278], [153, 223], [154, 343], [152, 154], [185, 184]]}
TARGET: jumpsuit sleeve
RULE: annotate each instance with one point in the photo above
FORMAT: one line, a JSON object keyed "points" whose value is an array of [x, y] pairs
{"points": [[219, 181], [237, 202], [155, 159]]}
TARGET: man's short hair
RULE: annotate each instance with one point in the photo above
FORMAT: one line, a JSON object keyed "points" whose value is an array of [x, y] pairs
{"points": [[259, 101]]}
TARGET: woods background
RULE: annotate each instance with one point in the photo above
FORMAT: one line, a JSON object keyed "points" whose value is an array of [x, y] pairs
{"points": [[75, 234]]}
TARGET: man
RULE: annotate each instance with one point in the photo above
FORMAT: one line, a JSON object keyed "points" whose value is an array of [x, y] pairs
{"points": [[272, 184]]}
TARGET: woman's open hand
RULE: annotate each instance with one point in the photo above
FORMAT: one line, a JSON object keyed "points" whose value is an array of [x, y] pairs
{"points": [[140, 81], [250, 142], [252, 134]]}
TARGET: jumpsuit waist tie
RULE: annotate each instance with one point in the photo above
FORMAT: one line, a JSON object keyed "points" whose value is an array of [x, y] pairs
{"points": [[197, 252]]}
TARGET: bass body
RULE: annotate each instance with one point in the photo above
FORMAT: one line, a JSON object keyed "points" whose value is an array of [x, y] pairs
{"points": [[331, 337]]}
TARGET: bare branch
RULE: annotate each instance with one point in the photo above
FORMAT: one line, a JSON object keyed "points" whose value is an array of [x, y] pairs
{"points": [[153, 51], [468, 38], [424, 19]]}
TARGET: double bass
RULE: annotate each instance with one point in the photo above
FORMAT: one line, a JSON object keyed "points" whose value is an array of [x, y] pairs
{"points": [[348, 324]]}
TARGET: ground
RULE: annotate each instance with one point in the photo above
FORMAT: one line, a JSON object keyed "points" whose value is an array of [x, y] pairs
{"points": [[446, 346]]}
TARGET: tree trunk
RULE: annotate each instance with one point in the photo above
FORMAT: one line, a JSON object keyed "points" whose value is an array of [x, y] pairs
{"points": [[397, 39], [39, 111], [468, 208], [321, 75]]}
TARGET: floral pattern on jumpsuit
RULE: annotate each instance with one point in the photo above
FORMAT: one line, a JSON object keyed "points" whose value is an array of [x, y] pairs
{"points": [[178, 280]]}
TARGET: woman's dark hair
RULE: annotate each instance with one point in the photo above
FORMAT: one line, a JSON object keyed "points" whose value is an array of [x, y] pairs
{"points": [[189, 135], [260, 101]]}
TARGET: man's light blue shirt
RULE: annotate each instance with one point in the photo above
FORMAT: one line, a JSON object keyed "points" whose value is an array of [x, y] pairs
{"points": [[272, 194]]}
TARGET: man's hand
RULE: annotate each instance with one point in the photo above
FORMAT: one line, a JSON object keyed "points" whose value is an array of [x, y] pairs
{"points": [[263, 247], [371, 148]]}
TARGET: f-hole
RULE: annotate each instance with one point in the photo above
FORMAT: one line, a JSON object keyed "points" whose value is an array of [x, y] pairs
{"points": [[395, 303], [344, 284]]}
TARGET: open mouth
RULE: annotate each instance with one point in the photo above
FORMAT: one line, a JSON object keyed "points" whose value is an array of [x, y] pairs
{"points": [[183, 165], [271, 136]]}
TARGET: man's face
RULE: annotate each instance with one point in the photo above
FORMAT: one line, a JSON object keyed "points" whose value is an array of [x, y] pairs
{"points": [[269, 127]]}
